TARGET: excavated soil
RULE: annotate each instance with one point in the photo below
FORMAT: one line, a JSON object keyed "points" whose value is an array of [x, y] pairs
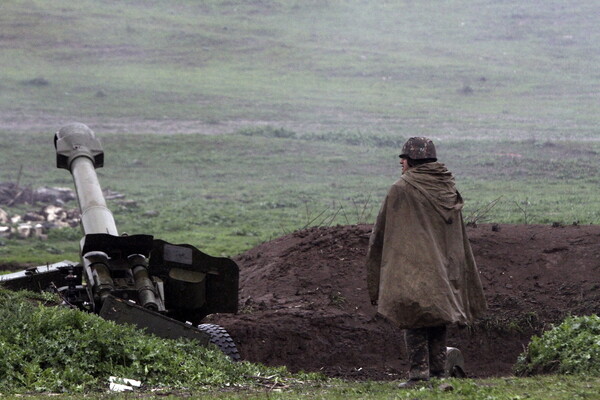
{"points": [[304, 301]]}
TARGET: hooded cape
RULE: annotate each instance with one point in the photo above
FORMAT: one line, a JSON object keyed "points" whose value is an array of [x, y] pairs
{"points": [[420, 267]]}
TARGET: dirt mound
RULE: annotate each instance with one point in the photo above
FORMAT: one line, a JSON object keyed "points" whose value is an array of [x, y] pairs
{"points": [[304, 301]]}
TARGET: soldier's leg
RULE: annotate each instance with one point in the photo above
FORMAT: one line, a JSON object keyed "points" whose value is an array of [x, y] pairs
{"points": [[437, 336], [418, 353]]}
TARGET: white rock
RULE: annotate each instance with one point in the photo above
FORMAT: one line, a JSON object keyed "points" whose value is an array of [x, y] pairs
{"points": [[4, 217], [24, 230], [5, 231]]}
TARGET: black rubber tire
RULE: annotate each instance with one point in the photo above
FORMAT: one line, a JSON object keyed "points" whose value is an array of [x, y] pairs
{"points": [[220, 338]]}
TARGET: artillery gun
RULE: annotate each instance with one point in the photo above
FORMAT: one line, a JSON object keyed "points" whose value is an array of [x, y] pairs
{"points": [[166, 289]]}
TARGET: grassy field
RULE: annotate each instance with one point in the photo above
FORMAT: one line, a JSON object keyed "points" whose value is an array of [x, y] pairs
{"points": [[454, 69], [539, 388], [234, 122], [228, 193], [543, 388]]}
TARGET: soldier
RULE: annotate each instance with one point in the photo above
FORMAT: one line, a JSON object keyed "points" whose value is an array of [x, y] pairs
{"points": [[421, 272]]}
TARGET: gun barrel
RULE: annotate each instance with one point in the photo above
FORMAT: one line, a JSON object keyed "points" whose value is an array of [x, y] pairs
{"points": [[95, 215], [79, 151]]}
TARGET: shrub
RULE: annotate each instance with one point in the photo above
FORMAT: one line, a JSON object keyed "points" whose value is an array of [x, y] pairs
{"points": [[58, 349], [572, 347]]}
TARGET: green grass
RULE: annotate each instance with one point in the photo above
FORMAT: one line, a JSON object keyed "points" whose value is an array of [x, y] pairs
{"points": [[228, 193], [45, 348], [551, 387], [540, 388]]}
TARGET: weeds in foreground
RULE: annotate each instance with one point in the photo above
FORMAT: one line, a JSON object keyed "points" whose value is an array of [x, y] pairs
{"points": [[56, 349], [525, 208], [573, 347], [526, 323], [481, 214]]}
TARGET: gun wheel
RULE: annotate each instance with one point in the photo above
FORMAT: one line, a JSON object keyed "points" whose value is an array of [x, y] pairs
{"points": [[220, 337]]}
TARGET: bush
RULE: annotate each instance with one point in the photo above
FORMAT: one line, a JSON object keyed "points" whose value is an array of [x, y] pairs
{"points": [[57, 349], [572, 347]]}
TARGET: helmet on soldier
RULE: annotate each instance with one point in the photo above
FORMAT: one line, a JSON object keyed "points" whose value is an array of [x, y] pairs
{"points": [[419, 148]]}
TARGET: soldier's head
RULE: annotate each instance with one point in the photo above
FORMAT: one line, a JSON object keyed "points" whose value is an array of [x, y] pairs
{"points": [[416, 151]]}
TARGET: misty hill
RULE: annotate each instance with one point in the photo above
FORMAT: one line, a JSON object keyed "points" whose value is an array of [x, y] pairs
{"points": [[451, 69]]}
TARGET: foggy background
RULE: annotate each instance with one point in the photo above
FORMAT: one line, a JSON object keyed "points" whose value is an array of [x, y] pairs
{"points": [[447, 69]]}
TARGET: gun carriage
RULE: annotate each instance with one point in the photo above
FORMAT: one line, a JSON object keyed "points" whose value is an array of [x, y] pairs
{"points": [[166, 289]]}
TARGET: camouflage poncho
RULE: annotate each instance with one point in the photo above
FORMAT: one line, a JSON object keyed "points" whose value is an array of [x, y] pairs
{"points": [[420, 265]]}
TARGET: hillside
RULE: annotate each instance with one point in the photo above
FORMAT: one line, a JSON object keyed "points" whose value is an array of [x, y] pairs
{"points": [[457, 69]]}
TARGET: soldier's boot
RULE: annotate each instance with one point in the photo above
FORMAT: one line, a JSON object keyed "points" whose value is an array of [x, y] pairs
{"points": [[418, 356], [437, 351]]}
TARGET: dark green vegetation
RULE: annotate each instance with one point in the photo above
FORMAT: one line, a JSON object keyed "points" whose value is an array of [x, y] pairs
{"points": [[572, 347], [49, 349]]}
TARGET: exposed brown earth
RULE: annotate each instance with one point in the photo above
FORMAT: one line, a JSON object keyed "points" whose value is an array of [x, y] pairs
{"points": [[304, 302]]}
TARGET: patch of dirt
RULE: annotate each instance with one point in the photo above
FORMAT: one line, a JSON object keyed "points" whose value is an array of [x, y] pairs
{"points": [[304, 301]]}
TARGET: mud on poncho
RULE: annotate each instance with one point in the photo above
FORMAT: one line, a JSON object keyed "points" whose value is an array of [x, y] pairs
{"points": [[420, 266]]}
